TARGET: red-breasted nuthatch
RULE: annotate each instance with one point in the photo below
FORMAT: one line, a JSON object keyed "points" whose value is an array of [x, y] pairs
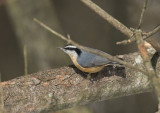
{"points": [[85, 61]]}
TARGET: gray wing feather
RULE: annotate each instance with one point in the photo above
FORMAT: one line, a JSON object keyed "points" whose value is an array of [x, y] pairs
{"points": [[87, 59]]}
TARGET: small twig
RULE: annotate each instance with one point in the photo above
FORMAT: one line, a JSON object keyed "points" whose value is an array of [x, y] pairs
{"points": [[52, 31], [142, 13], [155, 44], [145, 36], [108, 17], [124, 42], [132, 39], [25, 60], [68, 36], [154, 31], [25, 73], [1, 96], [91, 50]]}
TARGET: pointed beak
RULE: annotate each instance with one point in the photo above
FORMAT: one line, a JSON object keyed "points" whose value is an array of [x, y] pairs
{"points": [[61, 48]]}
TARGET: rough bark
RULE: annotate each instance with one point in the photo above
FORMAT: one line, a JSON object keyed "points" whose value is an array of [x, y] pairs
{"points": [[66, 87]]}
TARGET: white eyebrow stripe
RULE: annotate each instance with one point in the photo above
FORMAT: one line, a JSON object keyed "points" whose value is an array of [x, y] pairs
{"points": [[70, 46]]}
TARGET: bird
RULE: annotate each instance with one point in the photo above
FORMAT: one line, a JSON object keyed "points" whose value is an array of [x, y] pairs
{"points": [[86, 61]]}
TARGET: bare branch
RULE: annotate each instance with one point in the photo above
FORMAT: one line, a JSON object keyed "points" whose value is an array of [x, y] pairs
{"points": [[25, 60], [109, 18], [146, 36], [132, 39], [65, 87], [1, 97], [142, 13], [144, 54], [124, 42], [155, 44], [91, 50], [49, 29], [154, 31], [152, 75]]}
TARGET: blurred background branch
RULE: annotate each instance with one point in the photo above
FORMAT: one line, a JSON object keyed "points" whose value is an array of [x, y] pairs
{"points": [[38, 43], [142, 13]]}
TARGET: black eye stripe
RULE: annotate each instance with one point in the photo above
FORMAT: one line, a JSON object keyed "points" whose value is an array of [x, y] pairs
{"points": [[69, 48], [78, 51]]}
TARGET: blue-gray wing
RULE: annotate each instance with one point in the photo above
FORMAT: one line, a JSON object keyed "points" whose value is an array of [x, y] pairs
{"points": [[87, 59]]}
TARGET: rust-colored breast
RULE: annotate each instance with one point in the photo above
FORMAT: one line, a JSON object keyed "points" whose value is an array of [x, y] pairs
{"points": [[88, 70]]}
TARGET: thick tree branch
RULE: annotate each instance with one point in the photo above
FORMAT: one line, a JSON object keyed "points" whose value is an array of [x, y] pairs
{"points": [[66, 87]]}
